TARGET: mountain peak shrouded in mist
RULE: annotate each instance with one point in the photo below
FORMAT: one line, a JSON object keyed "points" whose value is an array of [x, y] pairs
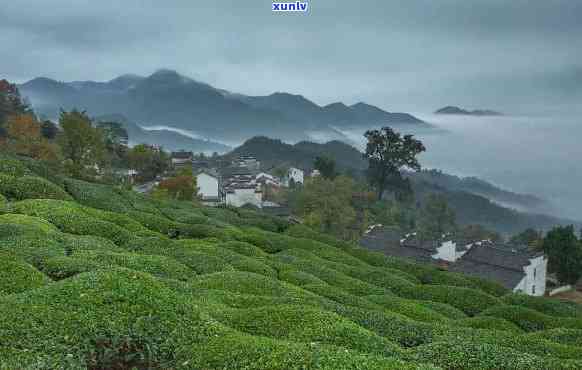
{"points": [[168, 98], [451, 109]]}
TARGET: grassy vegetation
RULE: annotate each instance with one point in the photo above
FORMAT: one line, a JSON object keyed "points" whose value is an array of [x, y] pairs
{"points": [[94, 277]]}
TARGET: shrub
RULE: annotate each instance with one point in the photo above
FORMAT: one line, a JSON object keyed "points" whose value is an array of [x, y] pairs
{"points": [[160, 266], [243, 248], [489, 323], [159, 224], [32, 247], [59, 268], [330, 276], [69, 218], [36, 223], [340, 296], [18, 276], [548, 306], [572, 337], [82, 314], [249, 283], [13, 168], [4, 205], [531, 320], [31, 187], [444, 309], [470, 301], [307, 324], [407, 308], [97, 196], [459, 355], [299, 278]]}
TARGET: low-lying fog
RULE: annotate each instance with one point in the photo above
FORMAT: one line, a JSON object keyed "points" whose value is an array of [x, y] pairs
{"points": [[540, 156]]}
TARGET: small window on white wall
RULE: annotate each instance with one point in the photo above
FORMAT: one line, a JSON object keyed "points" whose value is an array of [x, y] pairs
{"points": [[533, 289], [535, 271]]}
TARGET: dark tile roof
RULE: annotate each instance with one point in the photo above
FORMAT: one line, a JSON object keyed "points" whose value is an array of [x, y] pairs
{"points": [[494, 262], [182, 155]]}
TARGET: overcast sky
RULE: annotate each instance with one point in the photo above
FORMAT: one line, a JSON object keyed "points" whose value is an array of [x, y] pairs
{"points": [[415, 55]]}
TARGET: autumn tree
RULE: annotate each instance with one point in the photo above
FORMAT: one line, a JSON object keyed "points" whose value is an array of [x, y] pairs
{"points": [[388, 152], [24, 138], [181, 187], [11, 104], [326, 167], [82, 144]]}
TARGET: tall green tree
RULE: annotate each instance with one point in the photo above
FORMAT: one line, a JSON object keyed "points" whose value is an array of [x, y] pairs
{"points": [[564, 253], [388, 152], [83, 145], [326, 167], [325, 205], [148, 161], [436, 218]]}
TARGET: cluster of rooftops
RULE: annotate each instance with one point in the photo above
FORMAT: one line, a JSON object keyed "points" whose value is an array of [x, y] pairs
{"points": [[515, 267]]}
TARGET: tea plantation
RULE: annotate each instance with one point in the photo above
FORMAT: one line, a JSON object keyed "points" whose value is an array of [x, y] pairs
{"points": [[93, 277]]}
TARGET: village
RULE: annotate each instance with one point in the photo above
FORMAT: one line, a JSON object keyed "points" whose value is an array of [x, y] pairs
{"points": [[243, 182]]}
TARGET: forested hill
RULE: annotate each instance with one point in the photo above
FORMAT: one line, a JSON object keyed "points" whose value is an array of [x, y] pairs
{"points": [[474, 201], [95, 277]]}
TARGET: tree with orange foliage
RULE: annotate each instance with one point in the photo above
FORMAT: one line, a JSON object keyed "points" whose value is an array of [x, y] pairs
{"points": [[25, 138], [181, 187]]}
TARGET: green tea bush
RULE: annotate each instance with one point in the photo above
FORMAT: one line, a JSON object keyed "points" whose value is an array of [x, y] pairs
{"points": [[572, 337], [35, 223], [119, 219], [249, 283], [395, 327], [128, 313], [97, 196], [160, 266], [75, 243], [243, 248], [4, 205], [330, 276], [459, 355], [531, 320], [307, 324], [155, 223], [490, 323], [407, 308], [70, 218], [18, 276], [444, 309], [340, 296], [31, 187], [59, 268], [31, 247], [548, 306], [13, 168], [299, 278], [470, 301]]}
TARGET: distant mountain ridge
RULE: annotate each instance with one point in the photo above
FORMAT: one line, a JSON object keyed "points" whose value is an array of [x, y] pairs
{"points": [[477, 112], [170, 99]]}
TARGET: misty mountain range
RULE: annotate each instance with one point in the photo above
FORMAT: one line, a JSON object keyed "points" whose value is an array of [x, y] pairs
{"points": [[460, 111], [169, 99]]}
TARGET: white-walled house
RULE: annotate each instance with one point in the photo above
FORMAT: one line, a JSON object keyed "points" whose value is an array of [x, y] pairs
{"points": [[295, 174], [208, 186], [264, 178], [517, 269]]}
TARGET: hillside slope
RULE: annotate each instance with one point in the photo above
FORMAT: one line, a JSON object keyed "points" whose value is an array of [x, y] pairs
{"points": [[93, 277]]}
